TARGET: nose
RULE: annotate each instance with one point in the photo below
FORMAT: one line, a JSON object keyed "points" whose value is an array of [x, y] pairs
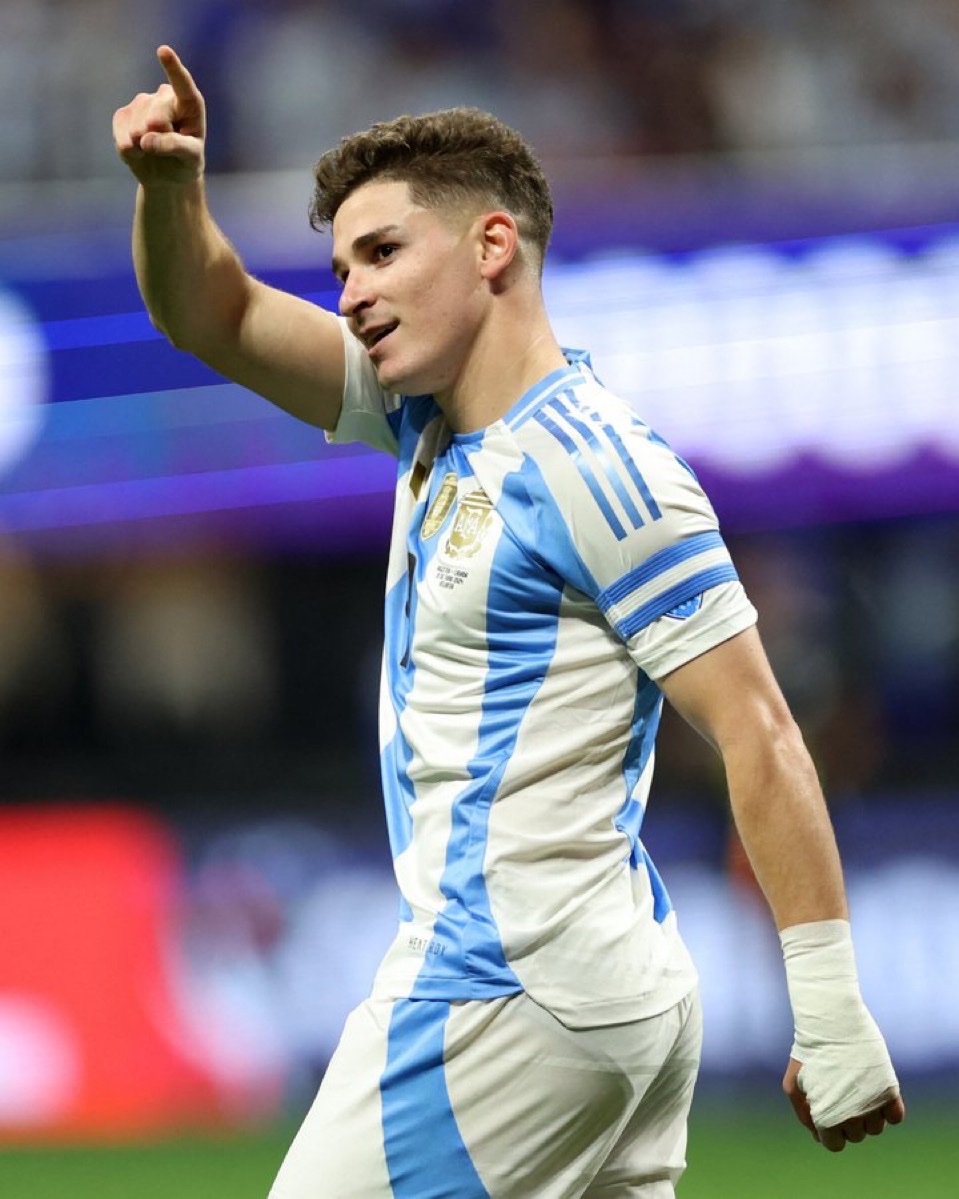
{"points": [[356, 294]]}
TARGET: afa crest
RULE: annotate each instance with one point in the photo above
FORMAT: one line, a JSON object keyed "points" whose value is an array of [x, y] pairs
{"points": [[473, 518]]}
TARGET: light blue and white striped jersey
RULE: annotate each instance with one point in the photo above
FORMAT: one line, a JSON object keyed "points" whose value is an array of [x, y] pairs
{"points": [[543, 573]]}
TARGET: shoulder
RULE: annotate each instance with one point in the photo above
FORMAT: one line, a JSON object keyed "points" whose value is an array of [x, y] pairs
{"points": [[606, 471], [608, 506]]}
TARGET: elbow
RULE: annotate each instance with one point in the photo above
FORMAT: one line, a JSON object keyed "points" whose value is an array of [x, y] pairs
{"points": [[185, 332], [789, 748], [163, 327], [784, 740], [205, 325], [176, 331], [179, 337], [771, 746]]}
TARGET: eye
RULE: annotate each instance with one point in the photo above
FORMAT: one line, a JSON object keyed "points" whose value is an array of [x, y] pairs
{"points": [[384, 251]]}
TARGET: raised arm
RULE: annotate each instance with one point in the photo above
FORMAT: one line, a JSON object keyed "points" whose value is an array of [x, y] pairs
{"points": [[840, 1081], [193, 282]]}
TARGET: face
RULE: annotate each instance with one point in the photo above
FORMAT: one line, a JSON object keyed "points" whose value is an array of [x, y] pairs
{"points": [[412, 288]]}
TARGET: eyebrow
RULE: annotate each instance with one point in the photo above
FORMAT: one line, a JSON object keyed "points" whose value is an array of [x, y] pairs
{"points": [[361, 242]]}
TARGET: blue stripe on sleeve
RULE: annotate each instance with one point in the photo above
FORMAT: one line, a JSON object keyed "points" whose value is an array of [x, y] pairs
{"points": [[633, 470], [658, 564], [592, 439], [664, 603], [588, 477]]}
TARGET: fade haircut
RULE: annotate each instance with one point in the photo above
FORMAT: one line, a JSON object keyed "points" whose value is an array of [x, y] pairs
{"points": [[460, 158]]}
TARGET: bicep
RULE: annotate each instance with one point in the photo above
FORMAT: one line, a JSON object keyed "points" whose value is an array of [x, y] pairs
{"points": [[729, 692], [288, 350]]}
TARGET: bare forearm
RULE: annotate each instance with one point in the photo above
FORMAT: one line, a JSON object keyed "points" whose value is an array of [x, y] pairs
{"points": [[782, 820], [192, 281], [840, 1081]]}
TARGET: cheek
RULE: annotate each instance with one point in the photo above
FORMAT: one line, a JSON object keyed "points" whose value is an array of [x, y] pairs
{"points": [[444, 312], [444, 303]]}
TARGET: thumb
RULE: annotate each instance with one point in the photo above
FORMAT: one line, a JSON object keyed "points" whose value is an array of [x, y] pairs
{"points": [[168, 144], [797, 1097], [182, 154]]}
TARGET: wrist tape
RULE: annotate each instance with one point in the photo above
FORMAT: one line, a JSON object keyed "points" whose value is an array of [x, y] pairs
{"points": [[846, 1070]]}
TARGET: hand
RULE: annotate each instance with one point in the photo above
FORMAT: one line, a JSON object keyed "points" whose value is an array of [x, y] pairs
{"points": [[891, 1111], [160, 135]]}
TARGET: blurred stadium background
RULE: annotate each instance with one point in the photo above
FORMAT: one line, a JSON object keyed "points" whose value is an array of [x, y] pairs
{"points": [[757, 240]]}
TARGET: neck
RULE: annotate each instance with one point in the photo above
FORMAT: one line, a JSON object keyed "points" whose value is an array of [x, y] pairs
{"points": [[511, 353]]}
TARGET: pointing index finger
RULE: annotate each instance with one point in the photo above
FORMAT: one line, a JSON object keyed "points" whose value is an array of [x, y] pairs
{"points": [[179, 77]]}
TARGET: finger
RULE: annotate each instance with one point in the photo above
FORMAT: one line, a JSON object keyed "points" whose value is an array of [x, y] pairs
{"points": [[895, 1110], [854, 1131], [169, 145], [121, 131], [180, 79], [800, 1106], [145, 113], [874, 1123], [833, 1139], [162, 111]]}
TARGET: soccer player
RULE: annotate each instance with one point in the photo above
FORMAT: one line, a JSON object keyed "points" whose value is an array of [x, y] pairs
{"points": [[555, 571]]}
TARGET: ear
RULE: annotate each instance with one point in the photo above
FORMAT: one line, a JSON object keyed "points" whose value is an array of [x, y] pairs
{"points": [[499, 245]]}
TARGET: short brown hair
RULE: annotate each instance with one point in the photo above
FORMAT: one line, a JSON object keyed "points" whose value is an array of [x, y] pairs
{"points": [[454, 157]]}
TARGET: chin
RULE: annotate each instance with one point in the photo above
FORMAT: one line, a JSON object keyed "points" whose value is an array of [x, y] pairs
{"points": [[405, 382]]}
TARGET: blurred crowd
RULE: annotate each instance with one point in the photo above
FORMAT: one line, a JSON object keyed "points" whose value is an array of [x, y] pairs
{"points": [[253, 678], [581, 78]]}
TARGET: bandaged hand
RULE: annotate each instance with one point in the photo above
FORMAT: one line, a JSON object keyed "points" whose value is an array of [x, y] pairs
{"points": [[846, 1076]]}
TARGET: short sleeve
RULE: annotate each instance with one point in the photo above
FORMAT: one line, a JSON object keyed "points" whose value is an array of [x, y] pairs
{"points": [[672, 640], [368, 413], [623, 519]]}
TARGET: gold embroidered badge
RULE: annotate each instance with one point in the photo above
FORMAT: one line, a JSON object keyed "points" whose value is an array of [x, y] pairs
{"points": [[440, 507], [472, 519]]}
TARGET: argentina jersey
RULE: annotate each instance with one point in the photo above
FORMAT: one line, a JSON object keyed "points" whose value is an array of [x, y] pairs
{"points": [[544, 572]]}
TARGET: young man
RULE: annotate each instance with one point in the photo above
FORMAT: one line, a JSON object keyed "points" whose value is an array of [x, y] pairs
{"points": [[534, 1029]]}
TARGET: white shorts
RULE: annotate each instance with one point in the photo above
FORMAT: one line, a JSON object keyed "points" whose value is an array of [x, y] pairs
{"points": [[496, 1099]]}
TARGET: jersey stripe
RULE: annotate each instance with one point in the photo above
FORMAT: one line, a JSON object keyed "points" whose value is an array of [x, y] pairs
{"points": [[647, 709], [518, 660], [631, 468], [658, 564], [399, 793], [563, 410], [663, 604], [662, 904], [585, 470], [397, 755], [416, 1103]]}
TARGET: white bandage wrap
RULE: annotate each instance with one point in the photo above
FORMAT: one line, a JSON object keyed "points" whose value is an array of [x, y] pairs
{"points": [[846, 1070]]}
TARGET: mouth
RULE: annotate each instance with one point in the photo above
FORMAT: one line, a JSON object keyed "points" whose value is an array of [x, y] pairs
{"points": [[371, 338]]}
